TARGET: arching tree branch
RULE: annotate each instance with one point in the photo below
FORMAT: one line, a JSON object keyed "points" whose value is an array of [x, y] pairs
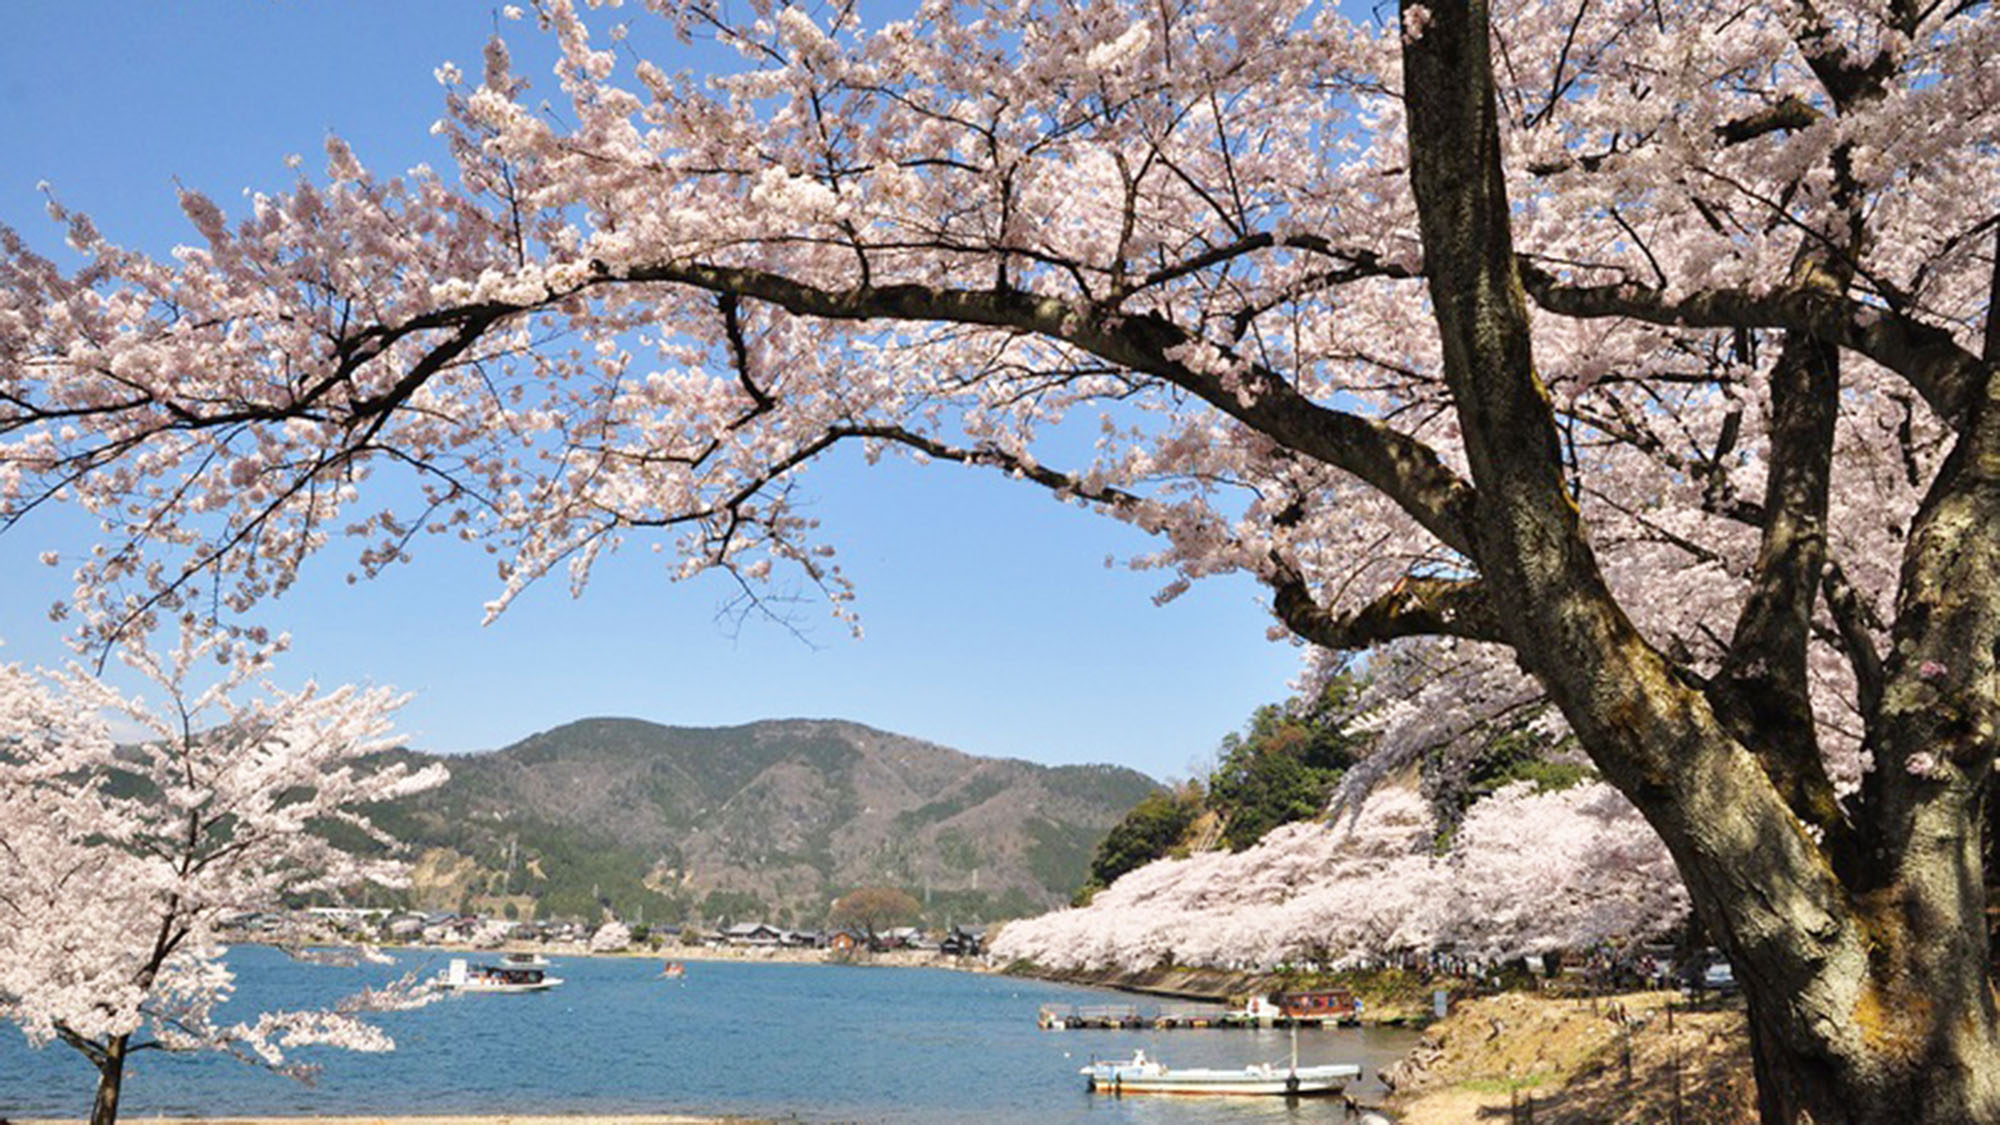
{"points": [[1944, 372]]}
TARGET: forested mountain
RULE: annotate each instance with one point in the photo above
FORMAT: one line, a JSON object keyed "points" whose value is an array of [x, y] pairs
{"points": [[769, 821]]}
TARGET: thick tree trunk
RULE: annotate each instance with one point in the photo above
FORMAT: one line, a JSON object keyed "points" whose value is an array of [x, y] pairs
{"points": [[1917, 1046], [1864, 964], [1910, 1040], [110, 1081]]}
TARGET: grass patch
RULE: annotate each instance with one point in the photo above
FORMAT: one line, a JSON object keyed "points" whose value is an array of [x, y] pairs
{"points": [[1509, 1085]]}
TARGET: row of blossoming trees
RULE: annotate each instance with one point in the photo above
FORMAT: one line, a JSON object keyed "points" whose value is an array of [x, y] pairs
{"points": [[1525, 869], [1649, 347], [1527, 872]]}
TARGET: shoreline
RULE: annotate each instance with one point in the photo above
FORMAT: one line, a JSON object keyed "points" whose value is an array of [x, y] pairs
{"points": [[411, 1119], [1221, 986], [893, 958]]}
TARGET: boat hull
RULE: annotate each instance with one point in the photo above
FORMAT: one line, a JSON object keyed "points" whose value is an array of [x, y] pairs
{"points": [[1250, 1082], [481, 986]]}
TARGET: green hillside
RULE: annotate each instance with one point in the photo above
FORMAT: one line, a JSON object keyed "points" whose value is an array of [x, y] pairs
{"points": [[769, 821]]}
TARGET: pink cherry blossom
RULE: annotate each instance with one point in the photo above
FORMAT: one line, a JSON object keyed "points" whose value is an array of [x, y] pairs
{"points": [[1526, 873], [119, 862]]}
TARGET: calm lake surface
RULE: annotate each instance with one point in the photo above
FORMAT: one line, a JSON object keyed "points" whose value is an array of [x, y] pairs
{"points": [[814, 1043]]}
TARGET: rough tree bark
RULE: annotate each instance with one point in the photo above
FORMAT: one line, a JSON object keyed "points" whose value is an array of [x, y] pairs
{"points": [[1858, 932], [110, 1081]]}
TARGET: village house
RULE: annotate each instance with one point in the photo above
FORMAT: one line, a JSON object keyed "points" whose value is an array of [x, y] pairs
{"points": [[963, 942], [753, 934]]}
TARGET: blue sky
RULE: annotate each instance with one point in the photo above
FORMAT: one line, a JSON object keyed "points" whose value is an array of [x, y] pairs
{"points": [[992, 624]]}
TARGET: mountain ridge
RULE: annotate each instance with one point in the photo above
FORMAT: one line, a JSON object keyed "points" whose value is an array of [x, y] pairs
{"points": [[767, 820]]}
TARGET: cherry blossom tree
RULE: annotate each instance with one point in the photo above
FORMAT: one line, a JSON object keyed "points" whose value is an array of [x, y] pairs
{"points": [[491, 933], [1533, 872], [1527, 872], [117, 863], [1646, 349], [611, 937]]}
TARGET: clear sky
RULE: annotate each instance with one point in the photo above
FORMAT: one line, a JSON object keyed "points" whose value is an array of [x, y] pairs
{"points": [[992, 624]]}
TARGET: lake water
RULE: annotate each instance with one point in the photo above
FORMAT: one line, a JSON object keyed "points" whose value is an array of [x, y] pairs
{"points": [[815, 1043]]}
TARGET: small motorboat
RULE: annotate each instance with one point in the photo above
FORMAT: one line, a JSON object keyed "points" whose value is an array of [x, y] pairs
{"points": [[527, 960], [1141, 1075], [674, 970], [461, 977]]}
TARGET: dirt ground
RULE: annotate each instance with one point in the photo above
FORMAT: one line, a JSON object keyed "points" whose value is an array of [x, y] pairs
{"points": [[1638, 1057]]}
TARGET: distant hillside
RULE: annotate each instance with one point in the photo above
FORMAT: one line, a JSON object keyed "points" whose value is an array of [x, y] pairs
{"points": [[769, 821]]}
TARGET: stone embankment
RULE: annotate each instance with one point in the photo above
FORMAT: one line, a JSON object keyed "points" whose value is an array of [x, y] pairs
{"points": [[1181, 983], [1388, 999]]}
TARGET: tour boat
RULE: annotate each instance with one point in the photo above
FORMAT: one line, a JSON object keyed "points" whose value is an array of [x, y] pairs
{"points": [[494, 978], [1141, 1075]]}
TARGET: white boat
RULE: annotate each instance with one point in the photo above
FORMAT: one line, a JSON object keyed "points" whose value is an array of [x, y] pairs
{"points": [[460, 977], [1141, 1075], [528, 960]]}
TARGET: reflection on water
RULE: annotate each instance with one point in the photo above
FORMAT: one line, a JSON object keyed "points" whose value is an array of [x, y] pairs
{"points": [[812, 1042]]}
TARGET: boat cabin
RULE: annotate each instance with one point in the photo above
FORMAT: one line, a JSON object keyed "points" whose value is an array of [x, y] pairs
{"points": [[1324, 1005], [495, 978], [507, 974]]}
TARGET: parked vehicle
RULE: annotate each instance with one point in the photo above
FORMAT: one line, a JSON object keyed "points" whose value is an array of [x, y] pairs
{"points": [[1719, 976]]}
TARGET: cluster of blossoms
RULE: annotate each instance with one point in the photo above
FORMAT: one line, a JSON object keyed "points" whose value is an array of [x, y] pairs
{"points": [[746, 286], [1526, 872], [611, 937]]}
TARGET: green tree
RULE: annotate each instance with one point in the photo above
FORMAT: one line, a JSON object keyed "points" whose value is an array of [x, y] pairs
{"points": [[1284, 767], [728, 907], [1154, 827]]}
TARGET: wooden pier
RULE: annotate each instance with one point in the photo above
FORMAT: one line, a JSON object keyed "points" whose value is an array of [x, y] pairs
{"points": [[1057, 1017]]}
